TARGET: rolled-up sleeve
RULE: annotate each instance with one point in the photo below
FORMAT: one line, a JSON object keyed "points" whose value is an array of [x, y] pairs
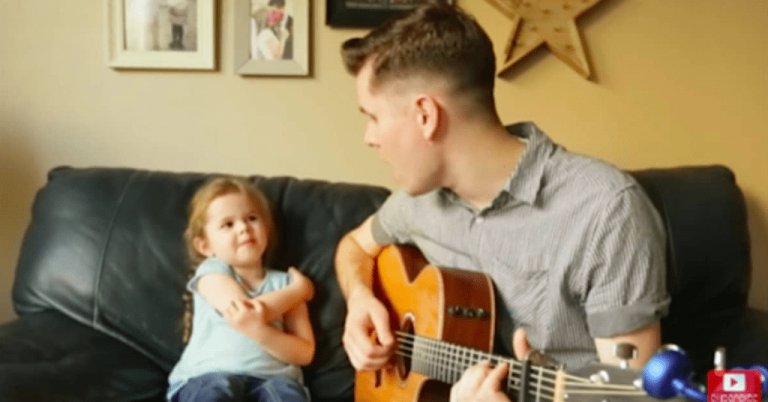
{"points": [[626, 260]]}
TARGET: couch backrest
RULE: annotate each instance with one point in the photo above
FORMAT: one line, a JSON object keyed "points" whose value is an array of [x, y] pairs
{"points": [[708, 248], [105, 247]]}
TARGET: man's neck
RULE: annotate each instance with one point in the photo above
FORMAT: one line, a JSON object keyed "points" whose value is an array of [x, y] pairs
{"points": [[481, 159]]}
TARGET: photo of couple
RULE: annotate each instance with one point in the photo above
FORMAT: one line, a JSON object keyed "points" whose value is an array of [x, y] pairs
{"points": [[271, 35]]}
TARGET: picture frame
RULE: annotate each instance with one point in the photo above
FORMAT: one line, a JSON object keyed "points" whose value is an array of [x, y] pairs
{"points": [[160, 34], [366, 13], [266, 31]]}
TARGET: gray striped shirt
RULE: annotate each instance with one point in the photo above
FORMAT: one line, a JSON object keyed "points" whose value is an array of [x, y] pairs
{"points": [[574, 246]]}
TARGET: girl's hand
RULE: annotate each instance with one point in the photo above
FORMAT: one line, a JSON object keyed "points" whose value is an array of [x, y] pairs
{"points": [[247, 316], [302, 283]]}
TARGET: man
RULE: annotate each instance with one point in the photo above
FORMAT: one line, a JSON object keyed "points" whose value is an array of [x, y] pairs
{"points": [[573, 245]]}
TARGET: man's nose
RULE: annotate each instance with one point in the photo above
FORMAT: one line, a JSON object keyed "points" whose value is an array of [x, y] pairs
{"points": [[370, 139]]}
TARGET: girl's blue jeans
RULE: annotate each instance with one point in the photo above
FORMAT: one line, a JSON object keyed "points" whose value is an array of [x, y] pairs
{"points": [[221, 387]]}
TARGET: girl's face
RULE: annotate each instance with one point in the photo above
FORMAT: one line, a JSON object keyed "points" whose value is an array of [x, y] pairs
{"points": [[233, 232]]}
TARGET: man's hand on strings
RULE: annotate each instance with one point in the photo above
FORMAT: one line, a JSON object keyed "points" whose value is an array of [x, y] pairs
{"points": [[483, 383], [368, 338]]}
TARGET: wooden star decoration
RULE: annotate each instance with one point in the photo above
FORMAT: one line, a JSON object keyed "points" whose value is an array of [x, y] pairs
{"points": [[535, 22]]}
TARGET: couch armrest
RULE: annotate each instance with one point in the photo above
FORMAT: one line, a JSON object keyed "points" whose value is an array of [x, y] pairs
{"points": [[47, 356]]}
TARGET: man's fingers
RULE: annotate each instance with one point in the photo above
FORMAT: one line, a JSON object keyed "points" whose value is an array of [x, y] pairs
{"points": [[380, 320], [366, 356], [520, 345], [496, 376], [363, 352], [468, 385], [363, 362], [362, 348], [476, 374], [368, 337]]}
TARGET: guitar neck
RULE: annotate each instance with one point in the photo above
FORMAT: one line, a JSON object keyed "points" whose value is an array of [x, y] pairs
{"points": [[446, 362]]}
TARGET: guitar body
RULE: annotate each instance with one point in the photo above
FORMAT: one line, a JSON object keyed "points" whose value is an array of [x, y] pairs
{"points": [[450, 305]]}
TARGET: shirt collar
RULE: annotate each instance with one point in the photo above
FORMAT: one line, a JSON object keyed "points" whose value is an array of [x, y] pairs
{"points": [[525, 182]]}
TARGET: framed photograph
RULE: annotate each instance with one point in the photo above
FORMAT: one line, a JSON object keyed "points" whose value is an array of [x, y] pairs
{"points": [[366, 13], [160, 34], [272, 37]]}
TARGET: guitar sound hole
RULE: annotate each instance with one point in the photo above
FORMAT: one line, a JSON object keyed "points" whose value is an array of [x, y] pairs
{"points": [[406, 347]]}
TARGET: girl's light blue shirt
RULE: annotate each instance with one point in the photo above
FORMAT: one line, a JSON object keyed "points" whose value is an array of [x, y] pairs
{"points": [[215, 346]]}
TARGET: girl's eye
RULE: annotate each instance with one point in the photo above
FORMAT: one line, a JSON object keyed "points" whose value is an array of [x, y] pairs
{"points": [[253, 218], [228, 224]]}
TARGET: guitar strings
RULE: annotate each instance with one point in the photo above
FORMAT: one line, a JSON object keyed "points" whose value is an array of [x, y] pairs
{"points": [[534, 392], [457, 371], [574, 383], [569, 387], [438, 349], [515, 367]]}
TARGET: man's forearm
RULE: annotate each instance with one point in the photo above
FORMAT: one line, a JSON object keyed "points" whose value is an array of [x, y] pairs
{"points": [[354, 267]]}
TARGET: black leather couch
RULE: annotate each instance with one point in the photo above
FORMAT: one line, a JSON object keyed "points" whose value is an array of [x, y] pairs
{"points": [[101, 272]]}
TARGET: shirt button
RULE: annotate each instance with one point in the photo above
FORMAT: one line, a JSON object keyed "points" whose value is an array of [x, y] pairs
{"points": [[479, 219]]}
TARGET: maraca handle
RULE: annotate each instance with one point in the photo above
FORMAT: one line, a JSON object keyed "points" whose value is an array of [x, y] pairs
{"points": [[688, 390]]}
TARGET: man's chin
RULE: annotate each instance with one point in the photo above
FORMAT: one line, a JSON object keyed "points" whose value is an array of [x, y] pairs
{"points": [[415, 190]]}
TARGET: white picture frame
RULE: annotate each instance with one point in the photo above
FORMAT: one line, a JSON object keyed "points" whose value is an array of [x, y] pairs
{"points": [[249, 53], [160, 34]]}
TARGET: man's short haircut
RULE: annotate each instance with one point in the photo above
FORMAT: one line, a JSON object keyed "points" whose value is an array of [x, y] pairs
{"points": [[436, 39]]}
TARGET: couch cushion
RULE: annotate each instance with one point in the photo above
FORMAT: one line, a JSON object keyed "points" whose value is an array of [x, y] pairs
{"points": [[50, 357], [105, 248]]}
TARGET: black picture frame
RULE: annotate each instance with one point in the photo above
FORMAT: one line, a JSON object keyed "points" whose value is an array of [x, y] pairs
{"points": [[366, 13]]}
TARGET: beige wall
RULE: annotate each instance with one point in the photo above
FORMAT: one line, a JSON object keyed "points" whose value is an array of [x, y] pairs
{"points": [[680, 82]]}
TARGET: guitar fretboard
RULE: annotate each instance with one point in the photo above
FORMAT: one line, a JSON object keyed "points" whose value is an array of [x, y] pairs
{"points": [[446, 362]]}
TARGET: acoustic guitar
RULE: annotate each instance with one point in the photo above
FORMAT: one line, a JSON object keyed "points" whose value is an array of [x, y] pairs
{"points": [[444, 322]]}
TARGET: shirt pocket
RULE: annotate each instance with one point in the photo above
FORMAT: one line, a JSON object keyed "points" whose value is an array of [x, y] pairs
{"points": [[522, 285], [515, 257]]}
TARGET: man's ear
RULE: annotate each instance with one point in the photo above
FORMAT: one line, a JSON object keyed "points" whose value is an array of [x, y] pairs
{"points": [[202, 247], [428, 115]]}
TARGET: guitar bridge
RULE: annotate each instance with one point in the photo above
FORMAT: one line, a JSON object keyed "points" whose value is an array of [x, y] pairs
{"points": [[469, 312]]}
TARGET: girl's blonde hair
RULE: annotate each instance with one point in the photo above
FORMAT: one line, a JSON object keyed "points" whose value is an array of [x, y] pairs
{"points": [[198, 209]]}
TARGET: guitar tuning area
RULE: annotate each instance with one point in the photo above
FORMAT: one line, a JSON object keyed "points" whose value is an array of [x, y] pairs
{"points": [[601, 377]]}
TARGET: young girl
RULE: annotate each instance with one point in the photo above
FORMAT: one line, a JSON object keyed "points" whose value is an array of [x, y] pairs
{"points": [[250, 327]]}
